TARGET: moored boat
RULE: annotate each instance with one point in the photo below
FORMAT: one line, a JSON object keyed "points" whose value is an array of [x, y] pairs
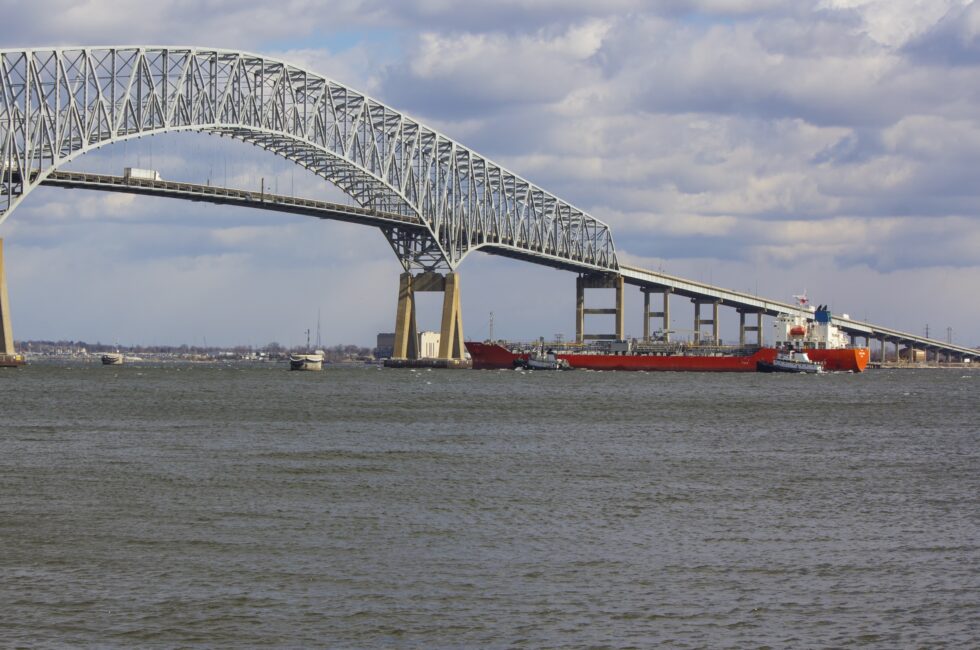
{"points": [[11, 360], [306, 361], [113, 359]]}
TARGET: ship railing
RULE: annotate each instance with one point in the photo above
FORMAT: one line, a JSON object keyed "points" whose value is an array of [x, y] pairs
{"points": [[688, 348]]}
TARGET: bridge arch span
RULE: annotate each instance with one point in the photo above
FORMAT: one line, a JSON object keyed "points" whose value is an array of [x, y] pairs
{"points": [[57, 104]]}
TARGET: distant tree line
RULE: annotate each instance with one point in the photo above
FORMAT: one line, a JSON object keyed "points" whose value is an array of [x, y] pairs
{"points": [[274, 349]]}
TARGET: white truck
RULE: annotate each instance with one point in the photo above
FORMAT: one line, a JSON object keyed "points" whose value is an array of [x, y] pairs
{"points": [[136, 174]]}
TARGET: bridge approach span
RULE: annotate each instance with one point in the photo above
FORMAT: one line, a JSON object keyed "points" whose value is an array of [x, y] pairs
{"points": [[754, 304]]}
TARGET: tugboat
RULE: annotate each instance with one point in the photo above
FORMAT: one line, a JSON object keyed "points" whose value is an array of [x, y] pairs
{"points": [[791, 361], [539, 360]]}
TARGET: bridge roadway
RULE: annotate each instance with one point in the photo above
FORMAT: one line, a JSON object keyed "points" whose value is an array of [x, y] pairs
{"points": [[643, 278]]}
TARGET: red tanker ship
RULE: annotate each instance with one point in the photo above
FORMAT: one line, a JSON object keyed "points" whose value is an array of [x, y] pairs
{"points": [[822, 341], [673, 357]]}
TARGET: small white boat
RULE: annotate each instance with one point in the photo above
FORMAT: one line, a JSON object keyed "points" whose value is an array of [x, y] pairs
{"points": [[306, 361], [309, 360], [113, 359], [791, 361]]}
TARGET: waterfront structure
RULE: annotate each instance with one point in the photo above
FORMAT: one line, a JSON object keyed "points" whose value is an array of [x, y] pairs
{"points": [[429, 345], [385, 345]]}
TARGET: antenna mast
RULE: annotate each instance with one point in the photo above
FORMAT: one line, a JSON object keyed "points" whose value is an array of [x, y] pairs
{"points": [[318, 328]]}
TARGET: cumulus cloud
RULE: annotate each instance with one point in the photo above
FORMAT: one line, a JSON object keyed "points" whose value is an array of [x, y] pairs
{"points": [[465, 74], [953, 41]]}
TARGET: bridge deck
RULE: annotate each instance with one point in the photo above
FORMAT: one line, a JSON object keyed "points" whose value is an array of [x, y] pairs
{"points": [[230, 196], [340, 212]]}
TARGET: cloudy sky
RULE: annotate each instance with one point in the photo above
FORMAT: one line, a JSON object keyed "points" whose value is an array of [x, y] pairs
{"points": [[760, 145]]}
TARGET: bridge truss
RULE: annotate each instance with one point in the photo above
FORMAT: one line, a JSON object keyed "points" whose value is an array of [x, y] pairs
{"points": [[56, 104]]}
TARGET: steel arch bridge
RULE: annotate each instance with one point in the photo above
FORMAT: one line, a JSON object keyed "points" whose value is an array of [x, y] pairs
{"points": [[57, 104]]}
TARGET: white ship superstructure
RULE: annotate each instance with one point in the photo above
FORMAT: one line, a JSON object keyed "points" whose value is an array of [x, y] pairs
{"points": [[809, 329]]}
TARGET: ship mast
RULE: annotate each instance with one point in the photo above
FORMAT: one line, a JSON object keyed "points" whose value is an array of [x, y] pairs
{"points": [[317, 328]]}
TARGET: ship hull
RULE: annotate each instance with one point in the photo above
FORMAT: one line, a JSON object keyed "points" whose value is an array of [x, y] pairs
{"points": [[841, 359], [306, 362], [492, 355], [11, 361]]}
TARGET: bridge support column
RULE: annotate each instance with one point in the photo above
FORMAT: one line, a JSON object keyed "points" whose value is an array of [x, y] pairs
{"points": [[6, 333], [664, 314], [698, 321], [406, 331], [406, 328], [599, 281], [451, 333], [743, 328], [620, 304]]}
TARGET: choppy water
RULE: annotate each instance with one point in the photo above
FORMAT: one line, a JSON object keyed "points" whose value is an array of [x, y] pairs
{"points": [[357, 507]]}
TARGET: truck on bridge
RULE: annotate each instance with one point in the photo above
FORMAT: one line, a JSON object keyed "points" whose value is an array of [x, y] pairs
{"points": [[137, 174]]}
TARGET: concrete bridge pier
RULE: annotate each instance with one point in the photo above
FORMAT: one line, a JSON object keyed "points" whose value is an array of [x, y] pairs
{"points": [[451, 332], [599, 281], [406, 330], [664, 314], [713, 321], [6, 333], [743, 328], [451, 349]]}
